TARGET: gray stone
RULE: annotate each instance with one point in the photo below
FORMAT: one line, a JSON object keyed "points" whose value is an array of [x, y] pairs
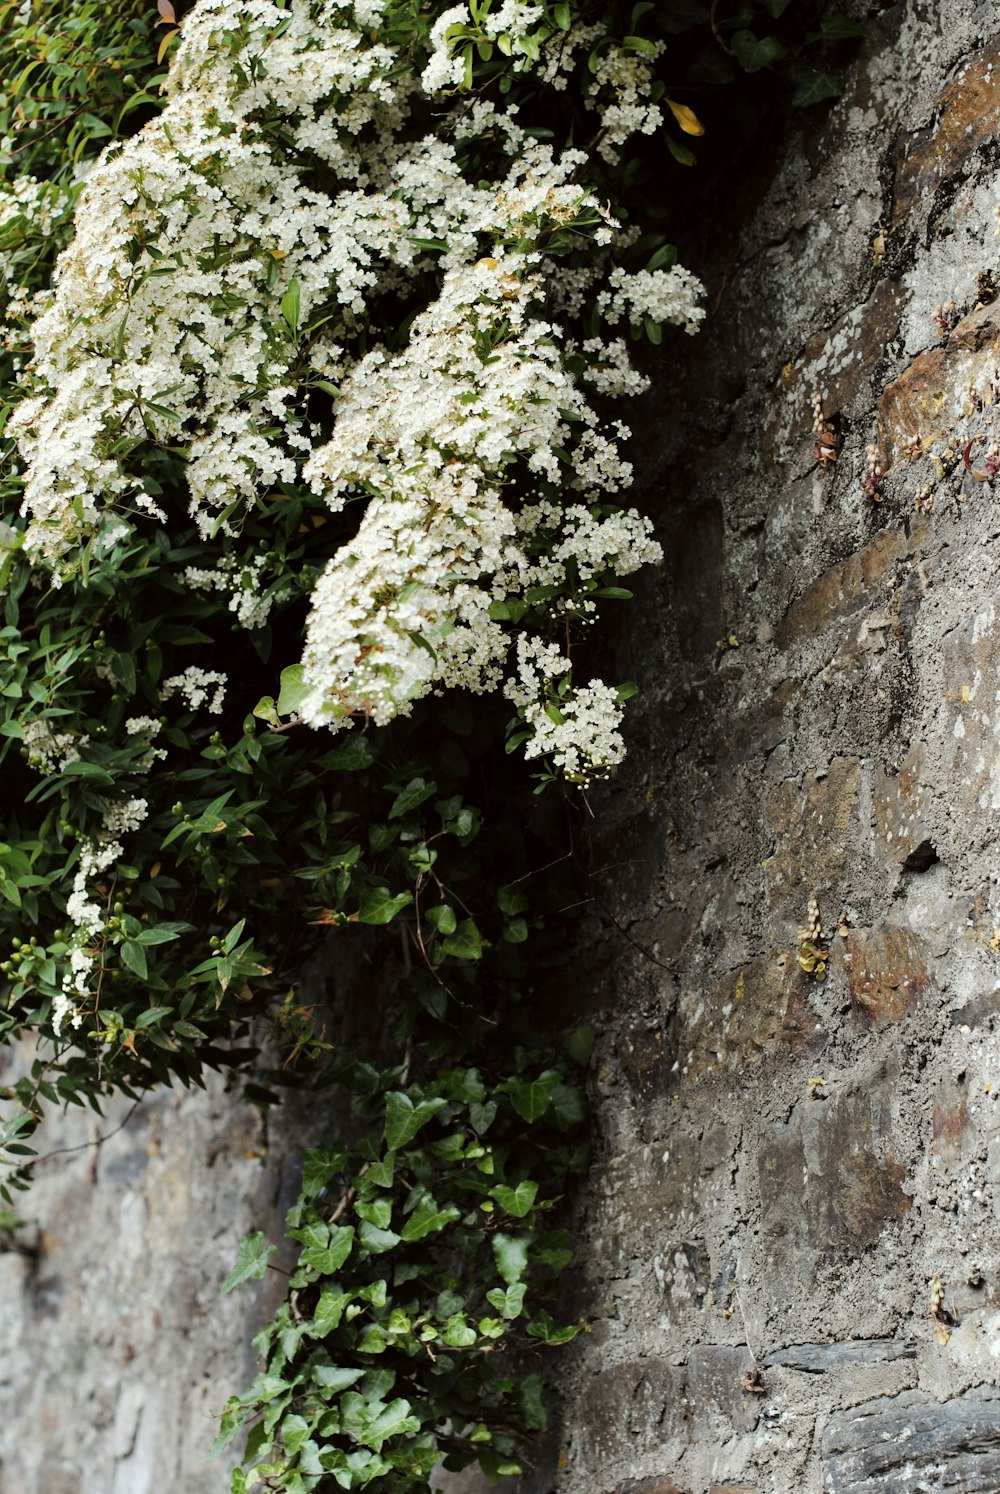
{"points": [[910, 1442]]}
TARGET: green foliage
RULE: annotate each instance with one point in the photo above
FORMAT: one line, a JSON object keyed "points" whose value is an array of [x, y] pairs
{"points": [[426, 1256], [429, 1246]]}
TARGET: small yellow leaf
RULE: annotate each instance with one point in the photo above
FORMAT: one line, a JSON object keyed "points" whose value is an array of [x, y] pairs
{"points": [[164, 46], [686, 118]]}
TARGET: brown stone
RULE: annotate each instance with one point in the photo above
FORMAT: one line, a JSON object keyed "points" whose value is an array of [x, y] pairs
{"points": [[826, 1187], [901, 802], [970, 668], [648, 1486], [926, 401], [967, 114], [886, 973], [849, 585], [949, 1123], [840, 362], [761, 1009], [811, 824]]}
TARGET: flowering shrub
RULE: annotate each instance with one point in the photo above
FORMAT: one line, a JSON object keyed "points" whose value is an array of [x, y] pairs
{"points": [[314, 343], [311, 342]]}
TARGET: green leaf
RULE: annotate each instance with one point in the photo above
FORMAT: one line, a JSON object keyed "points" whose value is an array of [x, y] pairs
{"points": [[753, 54], [328, 1259], [134, 956], [350, 756], [511, 1255], [814, 85], [291, 307], [251, 1263], [531, 1098], [508, 1303], [465, 943], [376, 1240], [403, 1119], [544, 1328], [457, 1333], [319, 1165], [579, 1043], [515, 1201], [416, 792], [154, 1015], [294, 690], [379, 906], [428, 1219], [442, 918]]}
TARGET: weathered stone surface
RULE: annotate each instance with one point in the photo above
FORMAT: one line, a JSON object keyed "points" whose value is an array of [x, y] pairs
{"points": [[810, 824], [967, 115], [643, 1399], [840, 362], [886, 972], [760, 1009], [926, 402], [648, 1486], [901, 803], [822, 1359], [913, 1443], [825, 1186], [848, 586], [715, 1394]]}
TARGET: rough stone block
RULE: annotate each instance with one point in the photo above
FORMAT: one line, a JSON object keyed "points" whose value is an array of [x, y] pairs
{"points": [[825, 1187], [927, 399], [811, 825], [909, 1442], [886, 973], [901, 803], [761, 1009], [967, 115], [715, 1393], [642, 1398], [822, 1359], [849, 585]]}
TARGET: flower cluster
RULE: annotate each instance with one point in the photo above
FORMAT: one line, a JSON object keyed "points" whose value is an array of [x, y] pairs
{"points": [[219, 292]]}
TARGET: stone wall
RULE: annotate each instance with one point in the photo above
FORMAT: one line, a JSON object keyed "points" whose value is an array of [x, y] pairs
{"points": [[791, 1271], [789, 1263]]}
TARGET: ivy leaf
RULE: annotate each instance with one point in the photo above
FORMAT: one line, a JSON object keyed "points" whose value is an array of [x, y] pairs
{"points": [[377, 1241], [753, 54], [403, 1119], [511, 1255], [569, 1106], [293, 692], [508, 1303], [378, 905], [329, 1259], [251, 1263], [579, 1043], [814, 86], [544, 1328], [531, 1098], [332, 1378], [394, 1421], [465, 943], [318, 1167], [428, 1219], [416, 792], [515, 1201], [457, 1333]]}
